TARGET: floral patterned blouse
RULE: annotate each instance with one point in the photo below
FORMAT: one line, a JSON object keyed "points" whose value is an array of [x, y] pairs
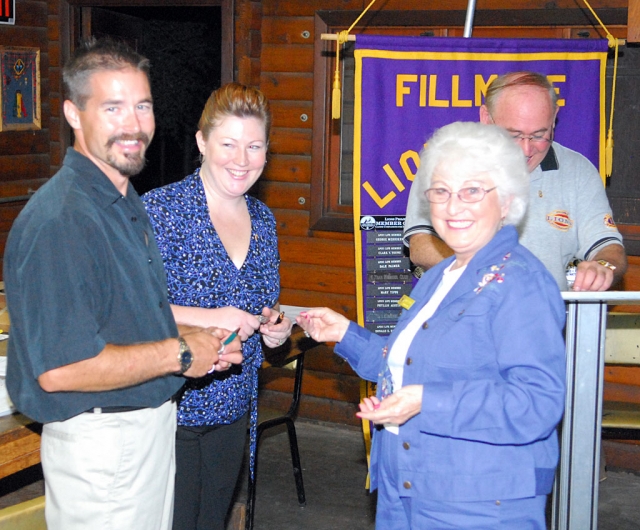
{"points": [[201, 274]]}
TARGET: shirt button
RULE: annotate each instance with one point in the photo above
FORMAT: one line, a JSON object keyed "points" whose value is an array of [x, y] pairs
{"points": [[425, 325], [406, 445], [407, 485], [497, 503], [134, 219], [150, 260], [409, 361], [161, 305]]}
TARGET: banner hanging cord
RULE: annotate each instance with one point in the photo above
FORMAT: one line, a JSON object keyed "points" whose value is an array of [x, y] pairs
{"points": [[336, 93], [613, 43]]}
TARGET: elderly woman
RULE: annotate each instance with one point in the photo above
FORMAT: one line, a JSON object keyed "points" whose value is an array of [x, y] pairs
{"points": [[220, 252], [471, 381]]}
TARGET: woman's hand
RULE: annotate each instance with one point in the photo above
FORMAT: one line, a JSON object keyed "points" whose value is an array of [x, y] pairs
{"points": [[221, 317], [323, 324], [275, 333], [396, 408]]}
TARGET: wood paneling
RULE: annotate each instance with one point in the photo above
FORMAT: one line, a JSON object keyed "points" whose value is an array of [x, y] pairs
{"points": [[8, 214], [318, 384], [290, 141], [25, 156], [324, 279], [292, 114], [633, 32], [31, 14], [318, 409], [280, 85], [323, 359], [23, 142], [624, 375], [314, 251], [284, 195], [23, 167], [18, 188], [296, 8], [287, 30], [20, 442], [291, 222], [20, 36], [411, 5], [291, 58], [288, 168]]}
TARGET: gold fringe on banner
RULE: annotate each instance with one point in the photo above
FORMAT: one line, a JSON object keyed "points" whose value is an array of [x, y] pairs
{"points": [[336, 97], [613, 43]]}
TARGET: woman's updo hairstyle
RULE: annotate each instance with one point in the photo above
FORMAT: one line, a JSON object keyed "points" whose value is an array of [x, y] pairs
{"points": [[238, 100]]}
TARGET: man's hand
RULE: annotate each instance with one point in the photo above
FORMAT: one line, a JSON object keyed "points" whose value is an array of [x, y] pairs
{"points": [[427, 250], [204, 347], [593, 276], [230, 353]]}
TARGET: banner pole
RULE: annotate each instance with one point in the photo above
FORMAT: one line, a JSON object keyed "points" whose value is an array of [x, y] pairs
{"points": [[468, 22]]}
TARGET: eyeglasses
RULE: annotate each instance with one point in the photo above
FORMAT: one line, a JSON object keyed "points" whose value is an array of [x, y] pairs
{"points": [[533, 138], [442, 195]]}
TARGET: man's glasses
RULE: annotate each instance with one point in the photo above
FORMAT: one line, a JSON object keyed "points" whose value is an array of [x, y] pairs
{"points": [[533, 138], [471, 194]]}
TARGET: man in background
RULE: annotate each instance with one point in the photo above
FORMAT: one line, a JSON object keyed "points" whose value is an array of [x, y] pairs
{"points": [[569, 217]]}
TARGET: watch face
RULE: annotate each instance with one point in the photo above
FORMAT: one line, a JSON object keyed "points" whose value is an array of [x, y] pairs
{"points": [[185, 360]]}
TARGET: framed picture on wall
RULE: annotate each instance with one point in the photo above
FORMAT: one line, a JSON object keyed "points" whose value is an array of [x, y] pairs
{"points": [[20, 94]]}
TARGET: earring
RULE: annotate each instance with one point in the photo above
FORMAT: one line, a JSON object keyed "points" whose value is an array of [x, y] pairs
{"points": [[201, 158]]}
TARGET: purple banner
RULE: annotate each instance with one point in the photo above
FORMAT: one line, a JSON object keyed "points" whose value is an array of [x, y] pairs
{"points": [[406, 87]]}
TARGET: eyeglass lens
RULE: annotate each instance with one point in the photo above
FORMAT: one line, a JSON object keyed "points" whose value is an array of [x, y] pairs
{"points": [[471, 194]]}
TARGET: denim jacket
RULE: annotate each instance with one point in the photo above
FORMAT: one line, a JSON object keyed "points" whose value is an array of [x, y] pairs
{"points": [[492, 363]]}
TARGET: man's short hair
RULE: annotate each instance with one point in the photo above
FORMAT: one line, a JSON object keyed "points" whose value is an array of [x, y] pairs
{"points": [[517, 79], [94, 55]]}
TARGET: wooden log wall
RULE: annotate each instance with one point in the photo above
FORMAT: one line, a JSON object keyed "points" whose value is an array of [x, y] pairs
{"points": [[29, 158], [274, 53]]}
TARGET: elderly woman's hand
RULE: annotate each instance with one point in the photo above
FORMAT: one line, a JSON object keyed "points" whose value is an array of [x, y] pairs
{"points": [[323, 324], [277, 329], [396, 408]]}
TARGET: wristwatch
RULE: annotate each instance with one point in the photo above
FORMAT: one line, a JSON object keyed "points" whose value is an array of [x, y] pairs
{"points": [[185, 357], [606, 264]]}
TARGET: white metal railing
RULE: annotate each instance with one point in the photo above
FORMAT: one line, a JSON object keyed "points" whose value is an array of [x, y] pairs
{"points": [[575, 497]]}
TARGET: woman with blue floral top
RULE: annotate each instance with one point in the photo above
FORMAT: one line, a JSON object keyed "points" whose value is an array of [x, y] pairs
{"points": [[220, 252], [471, 382]]}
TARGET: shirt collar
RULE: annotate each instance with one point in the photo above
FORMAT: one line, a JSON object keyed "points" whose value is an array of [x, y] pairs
{"points": [[93, 180], [550, 161]]}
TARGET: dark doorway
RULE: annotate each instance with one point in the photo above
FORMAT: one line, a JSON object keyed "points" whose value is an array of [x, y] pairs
{"points": [[184, 47]]}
